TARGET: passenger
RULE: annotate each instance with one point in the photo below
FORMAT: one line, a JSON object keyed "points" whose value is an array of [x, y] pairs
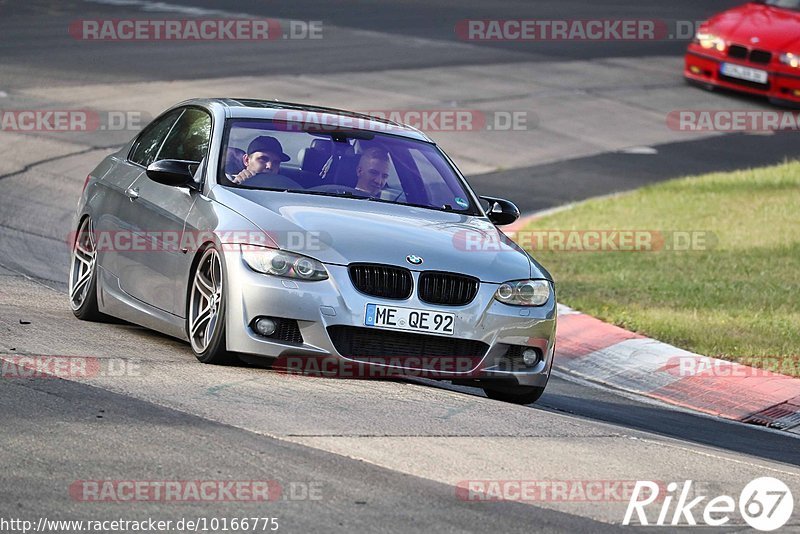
{"points": [[372, 171], [264, 156]]}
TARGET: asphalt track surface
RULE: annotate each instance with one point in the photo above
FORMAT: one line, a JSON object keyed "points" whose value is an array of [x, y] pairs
{"points": [[386, 454], [391, 25]]}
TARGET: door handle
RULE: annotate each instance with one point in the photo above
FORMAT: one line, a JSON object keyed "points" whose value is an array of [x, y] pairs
{"points": [[132, 193]]}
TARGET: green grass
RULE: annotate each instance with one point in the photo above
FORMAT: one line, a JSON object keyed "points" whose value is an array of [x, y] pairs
{"points": [[738, 299]]}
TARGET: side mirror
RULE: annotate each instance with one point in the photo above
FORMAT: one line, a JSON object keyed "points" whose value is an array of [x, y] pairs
{"points": [[501, 211], [174, 172]]}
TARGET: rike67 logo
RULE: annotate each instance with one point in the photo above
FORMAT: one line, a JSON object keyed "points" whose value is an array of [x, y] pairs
{"points": [[765, 504]]}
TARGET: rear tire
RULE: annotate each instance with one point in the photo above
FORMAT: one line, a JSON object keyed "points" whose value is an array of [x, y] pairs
{"points": [[515, 394], [83, 274], [205, 320]]}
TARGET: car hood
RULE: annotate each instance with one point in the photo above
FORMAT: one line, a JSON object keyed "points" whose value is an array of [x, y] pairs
{"points": [[777, 29], [343, 231]]}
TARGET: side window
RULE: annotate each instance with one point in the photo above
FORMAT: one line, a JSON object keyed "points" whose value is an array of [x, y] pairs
{"points": [[150, 140], [438, 190], [189, 139]]}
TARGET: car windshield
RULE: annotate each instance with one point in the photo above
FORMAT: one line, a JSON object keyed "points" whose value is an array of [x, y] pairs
{"points": [[325, 160], [788, 4]]}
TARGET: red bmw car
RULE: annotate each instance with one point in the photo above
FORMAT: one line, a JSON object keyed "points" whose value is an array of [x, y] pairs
{"points": [[754, 48]]}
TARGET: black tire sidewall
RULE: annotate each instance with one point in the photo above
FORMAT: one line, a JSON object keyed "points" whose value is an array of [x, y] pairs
{"points": [[514, 394]]}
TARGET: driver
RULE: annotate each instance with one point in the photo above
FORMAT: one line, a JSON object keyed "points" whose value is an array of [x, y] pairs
{"points": [[264, 156], [372, 171]]}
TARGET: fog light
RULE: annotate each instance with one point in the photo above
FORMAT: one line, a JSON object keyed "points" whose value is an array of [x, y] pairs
{"points": [[796, 92], [264, 326], [695, 69], [530, 357]]}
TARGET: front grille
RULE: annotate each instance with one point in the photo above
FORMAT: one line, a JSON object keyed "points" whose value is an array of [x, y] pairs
{"points": [[755, 56], [760, 56], [382, 281], [447, 288], [418, 351], [738, 52]]}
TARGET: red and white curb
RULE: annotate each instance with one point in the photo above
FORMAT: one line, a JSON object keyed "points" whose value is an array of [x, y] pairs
{"points": [[603, 353], [600, 352]]}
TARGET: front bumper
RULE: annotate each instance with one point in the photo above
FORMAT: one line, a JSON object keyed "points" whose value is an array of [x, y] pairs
{"points": [[702, 66], [316, 306]]}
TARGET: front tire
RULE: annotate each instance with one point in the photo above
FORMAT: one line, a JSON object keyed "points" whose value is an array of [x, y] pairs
{"points": [[205, 320], [514, 394], [701, 85], [83, 274]]}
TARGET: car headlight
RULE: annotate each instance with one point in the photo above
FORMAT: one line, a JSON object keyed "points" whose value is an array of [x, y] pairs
{"points": [[709, 40], [793, 60], [282, 263], [524, 292]]}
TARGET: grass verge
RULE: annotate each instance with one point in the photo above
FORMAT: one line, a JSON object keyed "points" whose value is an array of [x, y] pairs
{"points": [[719, 269]]}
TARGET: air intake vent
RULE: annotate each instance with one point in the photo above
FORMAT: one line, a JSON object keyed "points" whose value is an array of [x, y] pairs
{"points": [[746, 83], [382, 281], [287, 330], [408, 350], [447, 289]]}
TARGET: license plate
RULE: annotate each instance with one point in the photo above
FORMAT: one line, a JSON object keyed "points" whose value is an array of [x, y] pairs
{"points": [[409, 319], [744, 73]]}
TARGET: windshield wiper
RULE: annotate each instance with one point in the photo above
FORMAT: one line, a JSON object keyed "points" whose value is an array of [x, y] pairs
{"points": [[347, 194], [343, 194]]}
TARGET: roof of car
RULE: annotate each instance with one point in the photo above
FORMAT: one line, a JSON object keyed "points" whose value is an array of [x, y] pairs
{"points": [[290, 111]]}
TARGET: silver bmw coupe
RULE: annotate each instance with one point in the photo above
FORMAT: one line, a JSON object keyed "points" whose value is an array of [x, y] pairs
{"points": [[313, 240]]}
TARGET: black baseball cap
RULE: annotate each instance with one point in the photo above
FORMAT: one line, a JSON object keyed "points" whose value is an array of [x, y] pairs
{"points": [[266, 143]]}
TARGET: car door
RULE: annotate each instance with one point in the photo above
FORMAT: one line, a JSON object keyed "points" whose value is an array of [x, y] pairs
{"points": [[116, 208], [157, 278]]}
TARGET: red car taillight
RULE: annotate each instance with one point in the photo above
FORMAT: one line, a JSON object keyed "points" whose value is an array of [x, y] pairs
{"points": [[85, 183]]}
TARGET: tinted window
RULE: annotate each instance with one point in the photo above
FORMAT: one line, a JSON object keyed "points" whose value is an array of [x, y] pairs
{"points": [[788, 4], [324, 159], [442, 189], [146, 146], [189, 139]]}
